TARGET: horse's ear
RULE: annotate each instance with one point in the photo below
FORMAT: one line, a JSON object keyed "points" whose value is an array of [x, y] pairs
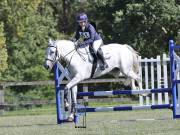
{"points": [[50, 42]]}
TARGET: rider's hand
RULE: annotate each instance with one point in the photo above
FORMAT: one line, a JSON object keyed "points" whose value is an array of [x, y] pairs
{"points": [[76, 43], [73, 39], [80, 44]]}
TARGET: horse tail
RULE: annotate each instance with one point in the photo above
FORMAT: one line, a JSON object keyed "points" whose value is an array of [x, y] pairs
{"points": [[135, 59]]}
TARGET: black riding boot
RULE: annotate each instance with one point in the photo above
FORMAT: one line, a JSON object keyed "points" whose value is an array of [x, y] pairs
{"points": [[100, 55]]}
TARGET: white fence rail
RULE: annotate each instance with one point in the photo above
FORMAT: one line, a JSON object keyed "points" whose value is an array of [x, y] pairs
{"points": [[154, 74]]}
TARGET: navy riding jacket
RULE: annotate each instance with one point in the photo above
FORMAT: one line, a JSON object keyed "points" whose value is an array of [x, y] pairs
{"points": [[89, 34]]}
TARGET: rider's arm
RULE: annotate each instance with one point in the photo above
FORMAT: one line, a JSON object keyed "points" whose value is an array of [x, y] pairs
{"points": [[77, 36], [92, 33]]}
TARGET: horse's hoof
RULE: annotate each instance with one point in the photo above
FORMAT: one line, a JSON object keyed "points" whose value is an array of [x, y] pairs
{"points": [[70, 119], [66, 104]]}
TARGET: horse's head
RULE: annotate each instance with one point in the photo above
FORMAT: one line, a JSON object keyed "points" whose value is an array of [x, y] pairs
{"points": [[51, 55]]}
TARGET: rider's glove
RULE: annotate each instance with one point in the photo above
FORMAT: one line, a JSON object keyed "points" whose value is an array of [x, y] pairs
{"points": [[73, 39], [76, 45], [81, 44]]}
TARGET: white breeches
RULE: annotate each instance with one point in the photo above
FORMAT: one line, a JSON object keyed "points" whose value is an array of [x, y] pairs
{"points": [[97, 44]]}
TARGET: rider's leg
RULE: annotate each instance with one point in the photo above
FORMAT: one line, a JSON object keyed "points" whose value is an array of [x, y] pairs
{"points": [[99, 52], [101, 57]]}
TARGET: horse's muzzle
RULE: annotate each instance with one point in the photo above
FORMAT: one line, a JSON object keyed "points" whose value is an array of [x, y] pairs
{"points": [[46, 66]]}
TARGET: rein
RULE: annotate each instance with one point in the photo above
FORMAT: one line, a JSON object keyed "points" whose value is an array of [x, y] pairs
{"points": [[54, 60], [79, 52], [69, 53]]}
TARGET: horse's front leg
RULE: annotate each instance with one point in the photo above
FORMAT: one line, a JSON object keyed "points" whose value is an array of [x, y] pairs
{"points": [[74, 81], [74, 94], [72, 85], [73, 97], [73, 102]]}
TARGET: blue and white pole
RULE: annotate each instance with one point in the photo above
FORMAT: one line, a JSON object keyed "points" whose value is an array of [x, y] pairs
{"points": [[174, 81], [57, 86], [58, 76]]}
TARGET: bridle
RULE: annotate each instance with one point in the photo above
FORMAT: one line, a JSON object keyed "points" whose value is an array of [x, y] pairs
{"points": [[54, 60]]}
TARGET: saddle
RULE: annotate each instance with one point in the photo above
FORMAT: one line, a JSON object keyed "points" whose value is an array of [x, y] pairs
{"points": [[94, 58]]}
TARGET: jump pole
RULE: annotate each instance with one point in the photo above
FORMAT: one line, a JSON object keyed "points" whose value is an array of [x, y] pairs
{"points": [[174, 81], [59, 74]]}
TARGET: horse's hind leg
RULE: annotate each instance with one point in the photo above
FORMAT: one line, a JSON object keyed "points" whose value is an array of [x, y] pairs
{"points": [[134, 77], [133, 86]]}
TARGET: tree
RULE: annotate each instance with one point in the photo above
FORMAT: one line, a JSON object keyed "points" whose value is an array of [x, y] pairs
{"points": [[28, 26], [3, 51], [62, 10], [142, 25]]}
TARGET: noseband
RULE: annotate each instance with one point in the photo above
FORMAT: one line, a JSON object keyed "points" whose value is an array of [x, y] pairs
{"points": [[54, 59]]}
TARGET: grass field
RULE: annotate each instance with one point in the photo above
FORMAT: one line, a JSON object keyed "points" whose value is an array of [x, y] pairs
{"points": [[43, 122]]}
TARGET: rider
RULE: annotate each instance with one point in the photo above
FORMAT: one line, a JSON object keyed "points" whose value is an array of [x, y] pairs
{"points": [[91, 37]]}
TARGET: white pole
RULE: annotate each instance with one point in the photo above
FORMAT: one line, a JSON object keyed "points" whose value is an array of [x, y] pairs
{"points": [[146, 80], [152, 82], [165, 78], [159, 79], [140, 72]]}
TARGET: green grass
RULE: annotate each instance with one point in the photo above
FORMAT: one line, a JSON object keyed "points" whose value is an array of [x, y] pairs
{"points": [[42, 121], [45, 110]]}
